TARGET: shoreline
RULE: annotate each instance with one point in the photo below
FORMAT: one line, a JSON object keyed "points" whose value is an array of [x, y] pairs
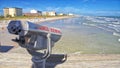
{"points": [[3, 23]]}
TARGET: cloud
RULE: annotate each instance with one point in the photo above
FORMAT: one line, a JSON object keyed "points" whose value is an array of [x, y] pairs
{"points": [[64, 9], [71, 9], [106, 12], [102, 12]]}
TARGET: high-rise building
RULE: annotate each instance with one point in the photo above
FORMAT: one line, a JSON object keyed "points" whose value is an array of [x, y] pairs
{"points": [[12, 12]]}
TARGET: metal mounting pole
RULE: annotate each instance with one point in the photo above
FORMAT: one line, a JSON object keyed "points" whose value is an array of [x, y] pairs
{"points": [[38, 59], [38, 63]]}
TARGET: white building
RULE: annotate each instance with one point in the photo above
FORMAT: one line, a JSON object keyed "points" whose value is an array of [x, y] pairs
{"points": [[35, 11], [70, 14], [12, 12], [61, 14], [51, 13], [44, 13]]}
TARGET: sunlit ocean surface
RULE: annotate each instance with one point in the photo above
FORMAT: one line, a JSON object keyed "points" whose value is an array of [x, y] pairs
{"points": [[84, 39]]}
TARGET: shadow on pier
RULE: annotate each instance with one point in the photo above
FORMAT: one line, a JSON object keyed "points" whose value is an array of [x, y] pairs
{"points": [[5, 48]]}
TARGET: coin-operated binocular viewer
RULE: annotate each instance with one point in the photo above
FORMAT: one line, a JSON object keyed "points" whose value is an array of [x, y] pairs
{"points": [[37, 39]]}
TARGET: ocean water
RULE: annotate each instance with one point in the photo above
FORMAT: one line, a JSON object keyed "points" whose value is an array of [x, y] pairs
{"points": [[84, 39]]}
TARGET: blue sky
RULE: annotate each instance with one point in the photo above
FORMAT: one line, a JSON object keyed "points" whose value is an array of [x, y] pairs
{"points": [[86, 7]]}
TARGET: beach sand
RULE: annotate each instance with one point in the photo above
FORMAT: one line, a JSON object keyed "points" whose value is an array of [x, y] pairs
{"points": [[18, 57]]}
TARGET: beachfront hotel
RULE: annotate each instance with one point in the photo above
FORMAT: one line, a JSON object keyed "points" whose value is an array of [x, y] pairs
{"points": [[50, 13], [12, 12]]}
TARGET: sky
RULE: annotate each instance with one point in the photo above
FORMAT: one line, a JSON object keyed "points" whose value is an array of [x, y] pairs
{"points": [[82, 7]]}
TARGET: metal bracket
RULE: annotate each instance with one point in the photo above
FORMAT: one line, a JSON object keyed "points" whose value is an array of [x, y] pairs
{"points": [[36, 56]]}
